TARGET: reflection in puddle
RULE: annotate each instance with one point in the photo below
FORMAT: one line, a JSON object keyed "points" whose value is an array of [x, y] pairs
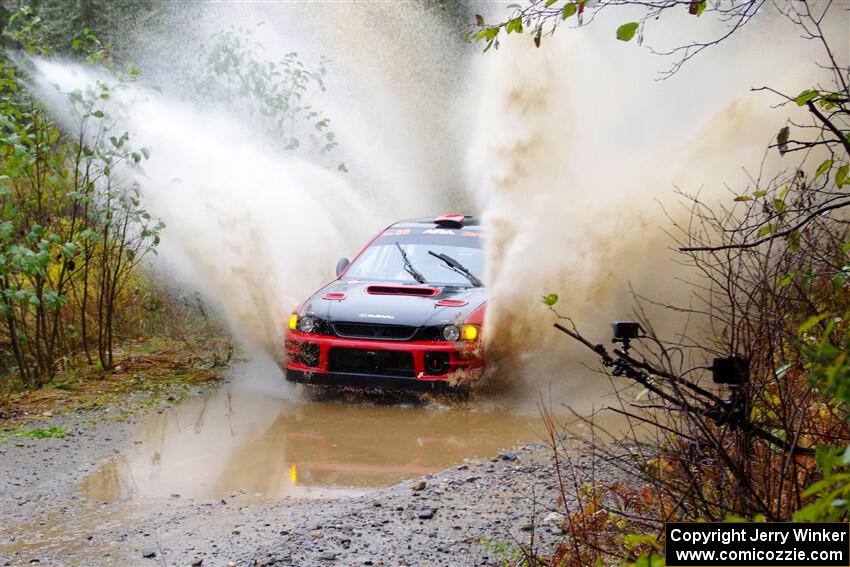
{"points": [[241, 442]]}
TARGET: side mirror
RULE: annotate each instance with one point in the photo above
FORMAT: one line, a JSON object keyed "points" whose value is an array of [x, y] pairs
{"points": [[341, 265]]}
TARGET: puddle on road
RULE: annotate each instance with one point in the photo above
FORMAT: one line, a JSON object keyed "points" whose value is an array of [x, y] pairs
{"points": [[255, 439], [247, 442]]}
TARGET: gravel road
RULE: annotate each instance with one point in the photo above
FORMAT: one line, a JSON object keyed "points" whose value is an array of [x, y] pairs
{"points": [[458, 516]]}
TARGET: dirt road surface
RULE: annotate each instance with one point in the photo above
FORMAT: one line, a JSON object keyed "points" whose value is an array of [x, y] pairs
{"points": [[248, 473]]}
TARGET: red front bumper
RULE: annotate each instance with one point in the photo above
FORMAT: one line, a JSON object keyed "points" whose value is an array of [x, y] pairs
{"points": [[323, 359]]}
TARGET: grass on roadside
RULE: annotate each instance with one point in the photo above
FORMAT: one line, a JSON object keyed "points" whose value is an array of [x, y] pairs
{"points": [[42, 433], [146, 372]]}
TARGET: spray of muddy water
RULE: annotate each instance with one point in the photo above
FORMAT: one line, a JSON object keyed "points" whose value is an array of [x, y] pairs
{"points": [[253, 228], [577, 149], [565, 150], [237, 215]]}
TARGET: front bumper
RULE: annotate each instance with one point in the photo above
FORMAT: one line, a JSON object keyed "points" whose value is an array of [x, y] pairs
{"points": [[371, 381], [365, 363]]}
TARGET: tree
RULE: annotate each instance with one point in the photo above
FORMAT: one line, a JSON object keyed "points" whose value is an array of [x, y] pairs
{"points": [[73, 230], [63, 21], [274, 96]]}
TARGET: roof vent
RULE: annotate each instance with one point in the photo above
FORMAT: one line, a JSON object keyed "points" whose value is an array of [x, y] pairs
{"points": [[451, 220]]}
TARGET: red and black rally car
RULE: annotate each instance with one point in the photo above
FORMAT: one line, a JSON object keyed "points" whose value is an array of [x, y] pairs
{"points": [[406, 313]]}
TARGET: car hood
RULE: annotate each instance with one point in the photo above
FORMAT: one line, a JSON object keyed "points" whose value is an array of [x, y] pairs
{"points": [[367, 302]]}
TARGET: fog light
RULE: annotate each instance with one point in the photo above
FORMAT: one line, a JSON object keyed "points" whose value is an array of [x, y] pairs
{"points": [[469, 332], [451, 332], [307, 324], [309, 354], [437, 363], [293, 321]]}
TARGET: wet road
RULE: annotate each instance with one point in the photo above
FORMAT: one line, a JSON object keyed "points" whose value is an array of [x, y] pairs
{"points": [[260, 439], [246, 457], [246, 452]]}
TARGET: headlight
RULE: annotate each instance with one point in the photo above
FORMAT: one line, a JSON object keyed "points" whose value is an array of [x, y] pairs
{"points": [[469, 332], [306, 324], [451, 332], [293, 321]]}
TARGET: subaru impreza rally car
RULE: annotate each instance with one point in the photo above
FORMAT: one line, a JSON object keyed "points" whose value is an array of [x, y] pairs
{"points": [[405, 313]]}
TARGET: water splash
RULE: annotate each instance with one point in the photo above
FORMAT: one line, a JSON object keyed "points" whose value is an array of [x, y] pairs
{"points": [[576, 153], [565, 150], [253, 227]]}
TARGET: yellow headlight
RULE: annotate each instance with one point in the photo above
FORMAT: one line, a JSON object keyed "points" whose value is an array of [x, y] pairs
{"points": [[293, 321], [469, 332]]}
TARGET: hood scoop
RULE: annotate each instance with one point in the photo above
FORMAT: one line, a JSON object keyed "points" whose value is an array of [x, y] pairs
{"points": [[419, 291]]}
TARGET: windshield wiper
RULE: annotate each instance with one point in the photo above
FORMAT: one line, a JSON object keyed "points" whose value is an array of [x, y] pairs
{"points": [[458, 267], [408, 267]]}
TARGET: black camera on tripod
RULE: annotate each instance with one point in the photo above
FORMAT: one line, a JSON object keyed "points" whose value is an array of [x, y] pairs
{"points": [[731, 370]]}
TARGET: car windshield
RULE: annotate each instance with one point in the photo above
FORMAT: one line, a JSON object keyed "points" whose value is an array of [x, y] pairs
{"points": [[383, 261]]}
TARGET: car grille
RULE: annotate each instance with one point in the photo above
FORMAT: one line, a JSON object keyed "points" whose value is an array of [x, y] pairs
{"points": [[373, 331], [383, 362]]}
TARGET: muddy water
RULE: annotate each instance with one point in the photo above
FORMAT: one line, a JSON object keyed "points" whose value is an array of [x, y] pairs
{"points": [[258, 438], [251, 451]]}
